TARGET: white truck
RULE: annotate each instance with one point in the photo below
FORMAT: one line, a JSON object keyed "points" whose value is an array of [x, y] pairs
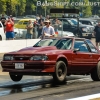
{"points": [[2, 34]]}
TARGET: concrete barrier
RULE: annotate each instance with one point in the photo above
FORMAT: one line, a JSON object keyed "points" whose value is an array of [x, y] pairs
{"points": [[13, 45]]}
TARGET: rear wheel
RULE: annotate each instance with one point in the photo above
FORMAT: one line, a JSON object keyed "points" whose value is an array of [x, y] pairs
{"points": [[15, 77], [95, 74], [60, 72]]}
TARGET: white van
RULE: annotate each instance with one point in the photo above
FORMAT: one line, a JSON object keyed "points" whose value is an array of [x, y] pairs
{"points": [[2, 34]]}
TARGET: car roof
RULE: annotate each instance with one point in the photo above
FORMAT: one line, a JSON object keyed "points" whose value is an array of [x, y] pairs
{"points": [[67, 37], [27, 19], [88, 19]]}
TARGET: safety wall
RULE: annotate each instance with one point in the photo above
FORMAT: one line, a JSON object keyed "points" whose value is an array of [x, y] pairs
{"points": [[13, 45]]}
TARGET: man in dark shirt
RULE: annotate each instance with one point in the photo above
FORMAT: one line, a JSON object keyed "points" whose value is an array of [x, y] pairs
{"points": [[97, 34], [3, 19], [40, 21]]}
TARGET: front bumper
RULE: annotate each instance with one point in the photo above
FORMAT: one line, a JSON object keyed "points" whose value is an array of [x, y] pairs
{"points": [[29, 67], [87, 35]]}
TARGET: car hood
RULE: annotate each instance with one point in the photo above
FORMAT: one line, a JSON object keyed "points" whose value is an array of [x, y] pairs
{"points": [[34, 50], [87, 25]]}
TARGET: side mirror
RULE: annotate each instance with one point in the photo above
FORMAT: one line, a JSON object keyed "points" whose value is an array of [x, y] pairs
{"points": [[76, 49]]}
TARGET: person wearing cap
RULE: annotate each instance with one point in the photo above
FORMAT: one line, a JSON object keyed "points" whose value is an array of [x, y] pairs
{"points": [[48, 30], [97, 34], [11, 18], [9, 29]]}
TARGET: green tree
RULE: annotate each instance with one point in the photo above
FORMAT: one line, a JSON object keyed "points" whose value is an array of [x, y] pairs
{"points": [[2, 6]]}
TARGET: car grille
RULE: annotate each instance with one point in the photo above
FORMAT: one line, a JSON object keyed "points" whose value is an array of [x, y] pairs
{"points": [[21, 57]]}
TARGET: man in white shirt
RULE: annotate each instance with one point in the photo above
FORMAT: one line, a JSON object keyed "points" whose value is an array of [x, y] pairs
{"points": [[48, 30]]}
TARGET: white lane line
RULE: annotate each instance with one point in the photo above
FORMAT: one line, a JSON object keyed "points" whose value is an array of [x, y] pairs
{"points": [[88, 97]]}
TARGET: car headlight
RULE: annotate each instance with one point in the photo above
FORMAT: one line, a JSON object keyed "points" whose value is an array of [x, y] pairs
{"points": [[85, 29], [39, 57], [7, 57]]}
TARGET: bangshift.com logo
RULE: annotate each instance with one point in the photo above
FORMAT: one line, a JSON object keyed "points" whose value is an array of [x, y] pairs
{"points": [[56, 3]]}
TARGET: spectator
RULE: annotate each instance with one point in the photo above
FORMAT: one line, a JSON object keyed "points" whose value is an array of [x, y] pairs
{"points": [[11, 18], [97, 34], [9, 29], [48, 17], [29, 28], [41, 19], [40, 28], [3, 20], [48, 30], [36, 28], [56, 24]]}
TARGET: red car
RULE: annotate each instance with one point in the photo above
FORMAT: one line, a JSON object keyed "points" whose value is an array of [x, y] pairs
{"points": [[57, 57]]}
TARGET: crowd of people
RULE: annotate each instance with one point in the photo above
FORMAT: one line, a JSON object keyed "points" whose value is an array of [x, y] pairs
{"points": [[42, 27]]}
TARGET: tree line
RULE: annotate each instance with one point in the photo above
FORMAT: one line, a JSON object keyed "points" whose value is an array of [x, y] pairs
{"points": [[29, 7]]}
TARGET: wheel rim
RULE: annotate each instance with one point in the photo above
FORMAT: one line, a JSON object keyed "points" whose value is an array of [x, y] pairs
{"points": [[61, 72]]}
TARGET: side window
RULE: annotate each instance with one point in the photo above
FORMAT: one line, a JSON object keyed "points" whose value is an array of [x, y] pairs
{"points": [[91, 46], [20, 23], [25, 22], [81, 45], [68, 44]]}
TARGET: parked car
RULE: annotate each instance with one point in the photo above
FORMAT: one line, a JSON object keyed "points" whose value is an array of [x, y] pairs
{"points": [[94, 16], [64, 56], [81, 31], [21, 24], [88, 21], [89, 27], [2, 34]]}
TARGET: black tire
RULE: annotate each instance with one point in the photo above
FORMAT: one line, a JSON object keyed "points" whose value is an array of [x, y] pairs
{"points": [[15, 78], [95, 74], [60, 72], [0, 38], [78, 34]]}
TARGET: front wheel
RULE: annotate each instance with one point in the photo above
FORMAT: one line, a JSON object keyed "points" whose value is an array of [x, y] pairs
{"points": [[95, 74], [15, 77], [60, 72]]}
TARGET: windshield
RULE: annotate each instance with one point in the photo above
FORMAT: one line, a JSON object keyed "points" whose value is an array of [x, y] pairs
{"points": [[71, 22], [75, 22], [44, 42], [62, 43], [65, 43]]}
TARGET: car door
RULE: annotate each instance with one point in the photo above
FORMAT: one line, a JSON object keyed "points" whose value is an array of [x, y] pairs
{"points": [[94, 51], [19, 24], [82, 57], [24, 24]]}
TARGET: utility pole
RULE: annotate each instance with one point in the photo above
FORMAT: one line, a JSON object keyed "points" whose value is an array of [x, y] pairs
{"points": [[45, 9], [10, 7]]}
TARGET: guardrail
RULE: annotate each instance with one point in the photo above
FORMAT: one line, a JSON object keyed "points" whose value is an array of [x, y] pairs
{"points": [[13, 45]]}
